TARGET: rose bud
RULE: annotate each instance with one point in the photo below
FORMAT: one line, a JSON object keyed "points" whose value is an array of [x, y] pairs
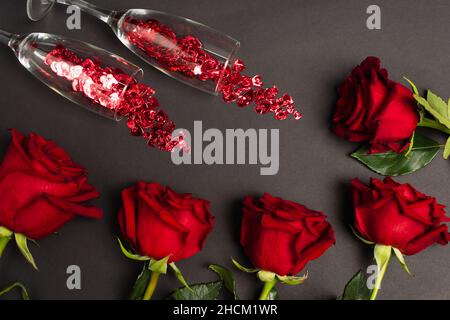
{"points": [[162, 227], [396, 217], [373, 108], [280, 237], [41, 189]]}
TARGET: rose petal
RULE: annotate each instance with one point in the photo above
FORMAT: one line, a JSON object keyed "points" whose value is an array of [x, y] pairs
{"points": [[40, 219], [438, 235]]}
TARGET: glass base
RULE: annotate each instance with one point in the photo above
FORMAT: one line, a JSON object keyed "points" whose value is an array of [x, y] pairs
{"points": [[38, 9]]}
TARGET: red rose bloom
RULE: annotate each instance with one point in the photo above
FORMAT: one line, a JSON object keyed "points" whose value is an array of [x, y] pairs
{"points": [[41, 188], [158, 222], [373, 108], [397, 215], [282, 236]]}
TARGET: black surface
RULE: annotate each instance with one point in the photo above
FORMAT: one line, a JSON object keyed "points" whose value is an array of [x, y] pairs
{"points": [[307, 48]]}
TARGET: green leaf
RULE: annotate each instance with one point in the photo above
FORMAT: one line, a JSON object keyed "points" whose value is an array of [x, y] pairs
{"points": [[401, 259], [292, 280], [382, 256], [356, 288], [411, 145], [448, 105], [141, 284], [23, 290], [273, 294], [420, 109], [266, 276], [436, 107], [179, 275], [3, 243], [21, 242], [242, 268], [394, 164], [227, 277], [447, 149], [5, 237], [413, 86], [201, 291], [131, 255], [361, 238], [159, 266], [4, 232]]}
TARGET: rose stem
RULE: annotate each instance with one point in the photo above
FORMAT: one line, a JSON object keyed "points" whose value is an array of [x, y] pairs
{"points": [[378, 281], [151, 286], [428, 123], [268, 286]]}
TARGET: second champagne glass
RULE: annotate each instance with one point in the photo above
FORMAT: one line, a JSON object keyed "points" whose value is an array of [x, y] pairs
{"points": [[97, 80], [155, 37], [79, 71]]}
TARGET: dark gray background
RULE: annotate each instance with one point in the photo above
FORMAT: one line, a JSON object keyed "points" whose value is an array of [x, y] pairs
{"points": [[307, 48]]}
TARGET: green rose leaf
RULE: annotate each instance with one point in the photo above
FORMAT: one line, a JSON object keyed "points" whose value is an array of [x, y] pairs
{"points": [[413, 86], [437, 107], [266, 276], [159, 266], [447, 149], [411, 145], [131, 255], [382, 256], [3, 243], [23, 290], [356, 288], [361, 238], [201, 291], [179, 275], [394, 164], [401, 259], [4, 232], [273, 294], [141, 284], [448, 104], [227, 277], [5, 237], [292, 280], [21, 242], [242, 268]]}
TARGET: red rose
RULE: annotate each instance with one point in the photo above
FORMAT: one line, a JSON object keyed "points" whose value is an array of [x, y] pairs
{"points": [[41, 188], [373, 108], [282, 236], [158, 222], [397, 215]]}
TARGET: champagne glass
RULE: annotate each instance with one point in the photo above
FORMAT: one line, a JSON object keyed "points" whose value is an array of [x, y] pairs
{"points": [[167, 42], [102, 94]]}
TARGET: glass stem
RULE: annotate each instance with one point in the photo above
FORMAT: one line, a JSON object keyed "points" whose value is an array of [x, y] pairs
{"points": [[89, 8], [5, 37]]}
